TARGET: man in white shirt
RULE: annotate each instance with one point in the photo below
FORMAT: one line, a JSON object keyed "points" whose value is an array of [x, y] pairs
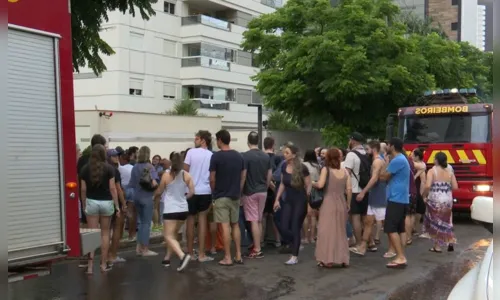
{"points": [[353, 163], [197, 163]]}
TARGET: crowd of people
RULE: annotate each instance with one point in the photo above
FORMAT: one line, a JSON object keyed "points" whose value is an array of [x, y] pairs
{"points": [[338, 199]]}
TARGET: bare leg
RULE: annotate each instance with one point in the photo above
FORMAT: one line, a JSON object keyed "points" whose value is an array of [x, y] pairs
{"points": [[92, 223], [256, 235], [115, 240], [397, 241], [313, 224], [367, 233], [171, 229], [105, 223], [156, 212], [226, 236], [190, 234], [357, 228], [237, 239], [202, 234], [380, 225], [213, 235], [409, 220]]}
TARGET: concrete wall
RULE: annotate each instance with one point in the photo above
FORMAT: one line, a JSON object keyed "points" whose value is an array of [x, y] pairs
{"points": [[444, 13], [162, 133]]}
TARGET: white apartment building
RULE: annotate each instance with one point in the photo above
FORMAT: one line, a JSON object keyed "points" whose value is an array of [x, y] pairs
{"points": [[473, 27], [191, 48]]}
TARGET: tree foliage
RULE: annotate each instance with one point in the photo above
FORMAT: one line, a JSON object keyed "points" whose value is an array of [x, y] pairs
{"points": [[351, 64], [87, 17], [422, 26], [280, 121]]}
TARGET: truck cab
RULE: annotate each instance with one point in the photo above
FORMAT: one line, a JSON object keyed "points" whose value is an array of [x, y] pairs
{"points": [[462, 131]]}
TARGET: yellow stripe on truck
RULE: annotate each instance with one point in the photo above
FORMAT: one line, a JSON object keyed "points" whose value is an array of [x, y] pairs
{"points": [[479, 157], [432, 157], [463, 156]]}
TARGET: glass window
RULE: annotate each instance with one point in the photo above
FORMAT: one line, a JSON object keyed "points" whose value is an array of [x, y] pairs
{"points": [[460, 128]]}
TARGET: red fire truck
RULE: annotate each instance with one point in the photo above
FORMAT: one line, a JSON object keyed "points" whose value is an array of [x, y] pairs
{"points": [[43, 221], [462, 131]]}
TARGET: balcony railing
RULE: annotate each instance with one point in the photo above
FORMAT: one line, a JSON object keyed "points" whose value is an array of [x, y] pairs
{"points": [[211, 104], [202, 61], [206, 20]]}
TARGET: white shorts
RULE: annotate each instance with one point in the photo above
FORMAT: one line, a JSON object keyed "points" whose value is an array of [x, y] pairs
{"points": [[378, 212]]}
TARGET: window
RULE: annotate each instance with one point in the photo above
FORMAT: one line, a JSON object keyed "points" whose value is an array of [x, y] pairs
{"points": [[169, 48], [460, 128], [169, 8], [136, 41], [454, 26], [135, 87], [454, 2], [208, 92], [168, 91]]}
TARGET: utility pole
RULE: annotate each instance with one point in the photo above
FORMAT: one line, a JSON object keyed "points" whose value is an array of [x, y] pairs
{"points": [[259, 122]]}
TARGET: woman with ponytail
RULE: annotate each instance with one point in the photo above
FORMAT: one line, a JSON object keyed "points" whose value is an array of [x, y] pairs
{"points": [[99, 197], [296, 184], [172, 190]]}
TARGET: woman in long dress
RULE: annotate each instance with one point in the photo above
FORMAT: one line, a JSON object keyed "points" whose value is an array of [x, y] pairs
{"points": [[438, 197], [332, 248]]}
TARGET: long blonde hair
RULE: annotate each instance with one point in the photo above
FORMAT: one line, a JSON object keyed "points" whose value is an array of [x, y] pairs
{"points": [[297, 168]]}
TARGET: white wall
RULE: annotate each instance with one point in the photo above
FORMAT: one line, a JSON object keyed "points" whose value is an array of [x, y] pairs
{"points": [[149, 54]]}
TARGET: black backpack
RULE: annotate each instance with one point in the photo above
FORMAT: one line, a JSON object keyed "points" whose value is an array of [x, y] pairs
{"points": [[146, 180], [364, 169]]}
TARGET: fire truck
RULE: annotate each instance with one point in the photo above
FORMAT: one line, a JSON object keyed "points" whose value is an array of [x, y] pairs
{"points": [[462, 131], [42, 203]]}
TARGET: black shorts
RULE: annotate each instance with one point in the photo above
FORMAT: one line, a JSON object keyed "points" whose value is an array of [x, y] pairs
{"points": [[420, 205], [179, 216], [359, 208], [199, 203], [395, 216], [269, 207]]}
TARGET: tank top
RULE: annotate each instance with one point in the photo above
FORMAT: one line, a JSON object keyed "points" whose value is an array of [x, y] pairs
{"points": [[377, 196], [174, 196]]}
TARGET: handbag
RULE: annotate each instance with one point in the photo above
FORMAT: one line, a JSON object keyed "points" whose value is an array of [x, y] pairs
{"points": [[317, 195]]}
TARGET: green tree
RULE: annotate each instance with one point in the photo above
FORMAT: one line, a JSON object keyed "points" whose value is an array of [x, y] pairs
{"points": [[422, 26], [280, 121], [87, 17], [349, 65]]}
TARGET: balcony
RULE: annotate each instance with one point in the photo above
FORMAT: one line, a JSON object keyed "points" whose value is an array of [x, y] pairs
{"points": [[206, 20], [272, 3], [211, 104], [207, 62]]}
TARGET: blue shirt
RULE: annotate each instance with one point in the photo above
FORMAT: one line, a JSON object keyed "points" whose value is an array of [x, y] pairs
{"points": [[135, 176], [398, 189]]}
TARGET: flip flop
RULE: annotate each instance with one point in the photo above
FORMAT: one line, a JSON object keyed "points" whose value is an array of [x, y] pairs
{"points": [[372, 248], [377, 241], [225, 265], [389, 255], [393, 265], [238, 262], [409, 242], [435, 250], [356, 251]]}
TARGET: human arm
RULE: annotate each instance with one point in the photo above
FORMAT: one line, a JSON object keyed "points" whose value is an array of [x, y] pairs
{"points": [[454, 183], [348, 191], [269, 174], [243, 173], [394, 166], [281, 189], [428, 183], [154, 175], [190, 183], [162, 185], [321, 180], [376, 168], [423, 180], [212, 168], [114, 194], [83, 193], [187, 161]]}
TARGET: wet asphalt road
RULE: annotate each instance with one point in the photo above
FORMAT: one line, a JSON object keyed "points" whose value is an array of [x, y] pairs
{"points": [[428, 276]]}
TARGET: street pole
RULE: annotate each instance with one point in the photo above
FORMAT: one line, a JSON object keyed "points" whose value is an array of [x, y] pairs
{"points": [[259, 122]]}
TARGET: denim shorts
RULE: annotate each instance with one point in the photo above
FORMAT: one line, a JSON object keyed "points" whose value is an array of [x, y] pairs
{"points": [[129, 194], [105, 208]]}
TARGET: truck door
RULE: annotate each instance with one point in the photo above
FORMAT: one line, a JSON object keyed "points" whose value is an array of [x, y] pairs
{"points": [[35, 187]]}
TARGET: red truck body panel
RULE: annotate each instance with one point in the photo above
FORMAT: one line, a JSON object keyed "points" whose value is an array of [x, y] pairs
{"points": [[471, 162], [54, 16]]}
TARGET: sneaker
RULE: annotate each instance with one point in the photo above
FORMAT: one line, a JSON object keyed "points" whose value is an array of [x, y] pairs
{"points": [[184, 262], [254, 254], [292, 261], [118, 260], [149, 253], [165, 262]]}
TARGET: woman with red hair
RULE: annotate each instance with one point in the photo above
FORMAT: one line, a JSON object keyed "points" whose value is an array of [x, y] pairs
{"points": [[332, 248]]}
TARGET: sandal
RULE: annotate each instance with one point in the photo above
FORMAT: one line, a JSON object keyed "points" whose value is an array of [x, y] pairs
{"points": [[433, 249], [225, 264], [356, 251], [409, 242], [238, 261], [372, 248], [389, 255], [377, 241], [395, 265]]}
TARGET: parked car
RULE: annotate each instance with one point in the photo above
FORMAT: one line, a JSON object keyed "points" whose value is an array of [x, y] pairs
{"points": [[477, 284]]}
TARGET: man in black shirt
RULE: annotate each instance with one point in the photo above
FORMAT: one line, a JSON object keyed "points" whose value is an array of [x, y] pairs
{"points": [[227, 178]]}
